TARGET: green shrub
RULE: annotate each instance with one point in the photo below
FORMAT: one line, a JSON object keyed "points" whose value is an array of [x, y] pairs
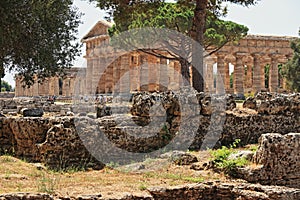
{"points": [[228, 166]]}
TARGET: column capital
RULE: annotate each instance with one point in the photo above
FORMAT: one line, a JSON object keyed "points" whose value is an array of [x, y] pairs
{"points": [[221, 54], [257, 54], [289, 56], [274, 55], [211, 59], [240, 54]]}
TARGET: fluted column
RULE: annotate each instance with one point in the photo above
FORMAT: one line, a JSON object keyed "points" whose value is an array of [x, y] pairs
{"points": [[273, 74], [177, 75], [109, 76], [220, 82], [209, 74], [125, 74], [239, 74], [89, 75], [116, 75], [226, 77], [134, 73], [144, 73], [257, 76], [152, 73], [56, 85], [163, 77], [18, 87]]}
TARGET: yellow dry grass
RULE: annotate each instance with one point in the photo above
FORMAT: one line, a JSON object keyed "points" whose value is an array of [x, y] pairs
{"points": [[19, 176]]}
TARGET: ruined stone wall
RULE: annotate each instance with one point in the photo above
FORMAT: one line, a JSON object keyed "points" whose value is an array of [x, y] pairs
{"points": [[56, 140], [52, 141], [199, 191], [277, 159]]}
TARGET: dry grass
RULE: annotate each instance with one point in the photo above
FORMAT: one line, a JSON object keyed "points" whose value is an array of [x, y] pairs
{"points": [[19, 176]]}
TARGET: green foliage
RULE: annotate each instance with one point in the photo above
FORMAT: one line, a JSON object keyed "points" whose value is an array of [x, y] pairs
{"points": [[37, 37], [180, 18], [113, 165], [253, 148], [292, 69], [249, 94], [142, 187], [267, 75], [6, 86], [221, 161]]}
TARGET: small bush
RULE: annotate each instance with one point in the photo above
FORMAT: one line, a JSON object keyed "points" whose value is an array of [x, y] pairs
{"points": [[142, 187], [228, 166]]}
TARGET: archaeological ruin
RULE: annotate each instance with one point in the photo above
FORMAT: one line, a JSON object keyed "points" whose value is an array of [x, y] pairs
{"points": [[237, 68]]}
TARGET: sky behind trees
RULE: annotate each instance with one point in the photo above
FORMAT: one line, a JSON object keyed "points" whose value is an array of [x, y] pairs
{"points": [[268, 17]]}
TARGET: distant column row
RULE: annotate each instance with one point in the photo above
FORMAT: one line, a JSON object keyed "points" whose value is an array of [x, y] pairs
{"points": [[241, 73]]}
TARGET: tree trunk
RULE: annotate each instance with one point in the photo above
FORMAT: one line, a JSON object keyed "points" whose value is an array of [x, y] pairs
{"points": [[197, 33], [2, 73]]}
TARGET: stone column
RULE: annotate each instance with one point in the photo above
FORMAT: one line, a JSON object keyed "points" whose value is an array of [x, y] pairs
{"points": [[134, 73], [163, 77], [209, 74], [89, 75], [144, 73], [284, 83], [257, 76], [226, 77], [104, 73], [273, 74], [249, 78], [220, 82], [152, 73], [56, 85], [239, 74], [116, 75], [35, 87], [177, 75], [18, 87], [109, 77], [125, 74]]}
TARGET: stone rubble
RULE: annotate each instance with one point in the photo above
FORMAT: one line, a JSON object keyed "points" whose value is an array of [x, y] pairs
{"points": [[198, 191], [277, 161]]}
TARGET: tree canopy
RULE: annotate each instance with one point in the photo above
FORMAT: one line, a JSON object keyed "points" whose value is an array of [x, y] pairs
{"points": [[38, 37], [292, 69], [199, 19], [179, 17], [5, 86]]}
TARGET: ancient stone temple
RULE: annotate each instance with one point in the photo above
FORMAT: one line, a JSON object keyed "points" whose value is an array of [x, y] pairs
{"points": [[53, 86], [251, 65]]}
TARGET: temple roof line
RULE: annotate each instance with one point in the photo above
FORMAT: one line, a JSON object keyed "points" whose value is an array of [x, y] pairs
{"points": [[269, 37], [94, 32]]}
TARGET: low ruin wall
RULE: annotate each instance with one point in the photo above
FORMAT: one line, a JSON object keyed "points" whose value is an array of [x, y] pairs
{"points": [[56, 141], [277, 161], [199, 191]]}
